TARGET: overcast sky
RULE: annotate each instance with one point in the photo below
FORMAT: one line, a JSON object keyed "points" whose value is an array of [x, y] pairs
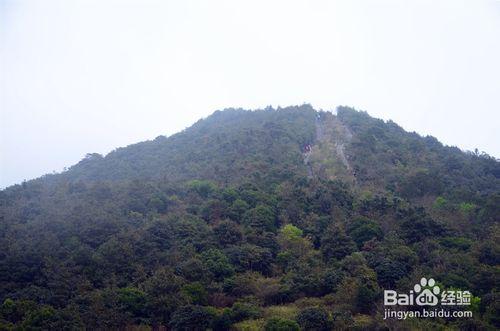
{"points": [[89, 76]]}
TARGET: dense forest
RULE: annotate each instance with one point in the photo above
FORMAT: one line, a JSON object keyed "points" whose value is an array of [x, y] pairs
{"points": [[274, 219]]}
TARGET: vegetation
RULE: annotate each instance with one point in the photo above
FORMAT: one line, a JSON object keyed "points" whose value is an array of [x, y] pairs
{"points": [[224, 226]]}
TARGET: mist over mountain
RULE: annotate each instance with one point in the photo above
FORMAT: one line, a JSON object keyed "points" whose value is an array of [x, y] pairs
{"points": [[249, 220]]}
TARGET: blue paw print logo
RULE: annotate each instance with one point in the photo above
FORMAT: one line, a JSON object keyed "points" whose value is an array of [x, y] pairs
{"points": [[427, 292]]}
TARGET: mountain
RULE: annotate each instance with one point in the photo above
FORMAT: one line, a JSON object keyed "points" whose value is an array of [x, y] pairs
{"points": [[276, 218]]}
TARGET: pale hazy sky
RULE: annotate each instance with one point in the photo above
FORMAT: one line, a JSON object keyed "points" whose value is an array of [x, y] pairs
{"points": [[89, 76]]}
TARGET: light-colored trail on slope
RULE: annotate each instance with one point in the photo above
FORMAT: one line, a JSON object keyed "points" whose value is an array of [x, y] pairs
{"points": [[328, 156]]}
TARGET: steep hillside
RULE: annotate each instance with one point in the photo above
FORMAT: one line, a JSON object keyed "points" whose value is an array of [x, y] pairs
{"points": [[226, 147], [253, 220], [386, 156], [329, 155]]}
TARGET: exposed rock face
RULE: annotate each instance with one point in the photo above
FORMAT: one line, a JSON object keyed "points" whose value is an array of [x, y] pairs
{"points": [[328, 157]]}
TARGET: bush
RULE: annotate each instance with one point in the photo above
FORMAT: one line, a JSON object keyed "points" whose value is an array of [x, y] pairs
{"points": [[228, 233], [133, 300], [314, 318], [196, 293], [192, 318], [284, 312], [362, 230], [217, 263], [281, 324], [242, 311], [249, 325], [203, 187], [459, 243]]}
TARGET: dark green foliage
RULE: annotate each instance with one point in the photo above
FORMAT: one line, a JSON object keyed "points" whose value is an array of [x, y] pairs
{"points": [[281, 324], [261, 218], [223, 148], [362, 230], [314, 319], [163, 291], [192, 269], [196, 293], [133, 301], [459, 243], [217, 263], [27, 315], [383, 153], [228, 233], [244, 310], [391, 260], [250, 257], [489, 253], [192, 318], [336, 244], [366, 296], [212, 226], [422, 183], [342, 319], [202, 187], [418, 226]]}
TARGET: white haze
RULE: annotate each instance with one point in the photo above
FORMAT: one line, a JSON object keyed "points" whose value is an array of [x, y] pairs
{"points": [[89, 76]]}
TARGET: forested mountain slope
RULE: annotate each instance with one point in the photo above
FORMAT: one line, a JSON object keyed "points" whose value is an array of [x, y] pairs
{"points": [[226, 147], [252, 220]]}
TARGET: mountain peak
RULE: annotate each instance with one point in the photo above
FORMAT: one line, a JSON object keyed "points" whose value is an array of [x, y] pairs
{"points": [[247, 214]]}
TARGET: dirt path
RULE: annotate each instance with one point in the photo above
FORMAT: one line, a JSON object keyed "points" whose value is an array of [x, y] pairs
{"points": [[340, 149], [307, 162], [329, 148]]}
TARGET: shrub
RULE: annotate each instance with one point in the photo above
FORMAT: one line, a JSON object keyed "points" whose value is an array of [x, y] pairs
{"points": [[192, 318], [281, 324], [314, 318], [242, 310]]}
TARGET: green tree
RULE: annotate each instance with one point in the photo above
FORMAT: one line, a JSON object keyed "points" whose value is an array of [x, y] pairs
{"points": [[336, 244], [281, 324], [217, 263], [203, 187], [133, 300], [196, 293], [314, 319], [363, 230], [228, 233], [163, 295], [192, 318], [261, 217]]}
